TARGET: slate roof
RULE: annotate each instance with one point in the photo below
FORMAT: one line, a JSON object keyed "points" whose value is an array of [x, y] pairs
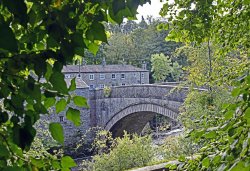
{"points": [[79, 83], [101, 68]]}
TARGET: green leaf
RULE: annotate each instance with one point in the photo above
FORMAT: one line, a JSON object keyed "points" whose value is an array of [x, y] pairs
{"points": [[74, 116], [48, 102], [40, 108], [50, 93], [231, 131], [133, 5], [247, 113], [236, 92], [96, 32], [80, 101], [239, 166], [79, 51], [120, 15], [51, 42], [217, 159], [56, 164], [77, 39], [4, 151], [68, 52], [18, 150], [37, 162], [205, 162], [211, 135], [3, 163], [40, 67], [7, 38], [23, 136], [118, 5], [93, 48], [248, 121], [57, 80], [173, 167], [31, 89], [48, 71], [56, 131], [67, 162], [181, 158], [72, 86], [61, 105], [229, 114]]}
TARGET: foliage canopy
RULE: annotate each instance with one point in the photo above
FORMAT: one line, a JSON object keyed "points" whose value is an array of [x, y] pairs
{"points": [[224, 24], [37, 39]]}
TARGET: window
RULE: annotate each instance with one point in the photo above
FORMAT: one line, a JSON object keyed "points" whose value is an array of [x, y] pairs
{"points": [[101, 86], [102, 76], [123, 84], [113, 76], [113, 85], [61, 118], [122, 76], [91, 77], [78, 75], [142, 75], [91, 86], [135, 75], [67, 75]]}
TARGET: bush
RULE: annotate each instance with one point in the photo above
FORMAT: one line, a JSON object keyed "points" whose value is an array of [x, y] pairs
{"points": [[107, 91], [176, 146], [125, 153]]}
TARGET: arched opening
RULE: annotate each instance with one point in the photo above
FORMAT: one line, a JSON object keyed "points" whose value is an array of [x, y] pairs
{"points": [[133, 123], [134, 118]]}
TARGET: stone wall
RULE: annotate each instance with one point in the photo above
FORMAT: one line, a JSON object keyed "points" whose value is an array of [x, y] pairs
{"points": [[131, 78], [71, 132]]}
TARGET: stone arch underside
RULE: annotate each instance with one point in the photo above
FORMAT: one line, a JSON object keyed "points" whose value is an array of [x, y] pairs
{"points": [[135, 117]]}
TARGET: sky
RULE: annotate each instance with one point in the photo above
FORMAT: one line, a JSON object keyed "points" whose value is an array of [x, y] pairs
{"points": [[148, 9]]}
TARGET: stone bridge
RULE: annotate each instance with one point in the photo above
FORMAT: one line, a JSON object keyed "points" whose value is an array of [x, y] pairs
{"points": [[131, 107], [127, 108]]}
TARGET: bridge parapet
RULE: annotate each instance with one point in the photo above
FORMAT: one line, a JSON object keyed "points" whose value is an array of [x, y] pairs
{"points": [[145, 91]]}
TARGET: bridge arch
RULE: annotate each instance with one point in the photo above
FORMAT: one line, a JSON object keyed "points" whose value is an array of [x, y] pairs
{"points": [[134, 117]]}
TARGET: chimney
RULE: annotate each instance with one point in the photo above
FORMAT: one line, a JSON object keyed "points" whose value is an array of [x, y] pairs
{"points": [[144, 65], [84, 62], [103, 62], [123, 62]]}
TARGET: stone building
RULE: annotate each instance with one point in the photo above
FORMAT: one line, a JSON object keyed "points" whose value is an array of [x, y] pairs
{"points": [[99, 76]]}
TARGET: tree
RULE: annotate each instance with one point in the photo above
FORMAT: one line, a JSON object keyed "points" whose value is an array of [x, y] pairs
{"points": [[37, 39], [224, 70], [203, 109], [134, 43], [94, 59], [176, 71], [160, 66], [203, 21], [163, 68], [119, 49], [223, 24]]}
